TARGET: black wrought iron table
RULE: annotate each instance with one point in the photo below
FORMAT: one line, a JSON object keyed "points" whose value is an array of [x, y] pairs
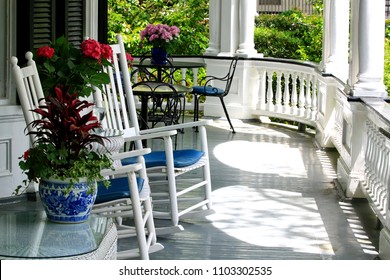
{"points": [[147, 90]]}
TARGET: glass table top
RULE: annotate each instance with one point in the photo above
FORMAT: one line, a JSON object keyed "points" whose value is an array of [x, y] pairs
{"points": [[159, 87], [109, 132], [28, 234]]}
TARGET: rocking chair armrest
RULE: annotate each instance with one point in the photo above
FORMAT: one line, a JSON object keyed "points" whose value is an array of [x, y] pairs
{"points": [[177, 126], [134, 153], [151, 135], [121, 170]]}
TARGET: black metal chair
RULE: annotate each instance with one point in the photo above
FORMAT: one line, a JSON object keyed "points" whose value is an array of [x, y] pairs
{"points": [[207, 89]]}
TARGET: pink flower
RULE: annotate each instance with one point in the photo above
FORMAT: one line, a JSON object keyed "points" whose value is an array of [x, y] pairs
{"points": [[91, 48], [175, 31], [153, 37], [46, 52], [159, 34]]}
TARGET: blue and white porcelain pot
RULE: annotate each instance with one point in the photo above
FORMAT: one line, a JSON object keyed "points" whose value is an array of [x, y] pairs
{"points": [[64, 204]]}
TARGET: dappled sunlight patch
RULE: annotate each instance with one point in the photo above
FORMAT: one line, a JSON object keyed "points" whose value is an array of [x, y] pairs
{"points": [[262, 158], [271, 218], [248, 128], [357, 228]]}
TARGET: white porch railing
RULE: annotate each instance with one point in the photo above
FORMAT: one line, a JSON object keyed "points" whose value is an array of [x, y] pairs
{"points": [[377, 158], [287, 91]]}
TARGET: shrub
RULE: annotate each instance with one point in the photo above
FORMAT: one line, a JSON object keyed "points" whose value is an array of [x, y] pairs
{"points": [[290, 35], [130, 17], [386, 78]]}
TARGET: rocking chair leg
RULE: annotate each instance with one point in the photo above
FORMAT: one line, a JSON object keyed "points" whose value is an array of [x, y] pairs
{"points": [[196, 110], [227, 114]]}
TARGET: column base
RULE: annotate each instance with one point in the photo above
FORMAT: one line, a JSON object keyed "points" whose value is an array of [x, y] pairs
{"points": [[384, 244], [367, 87], [350, 185]]}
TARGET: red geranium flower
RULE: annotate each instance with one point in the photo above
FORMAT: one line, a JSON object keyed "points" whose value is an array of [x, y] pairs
{"points": [[106, 51], [91, 48], [45, 51], [26, 154]]}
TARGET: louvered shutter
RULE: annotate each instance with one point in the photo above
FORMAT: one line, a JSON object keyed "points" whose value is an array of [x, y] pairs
{"points": [[43, 22], [74, 25], [54, 18]]}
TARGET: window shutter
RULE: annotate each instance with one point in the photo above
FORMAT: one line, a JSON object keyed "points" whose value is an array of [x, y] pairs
{"points": [[52, 19], [43, 22], [74, 25]]}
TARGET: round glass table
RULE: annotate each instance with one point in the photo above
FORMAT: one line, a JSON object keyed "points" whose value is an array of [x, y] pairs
{"points": [[29, 235]]}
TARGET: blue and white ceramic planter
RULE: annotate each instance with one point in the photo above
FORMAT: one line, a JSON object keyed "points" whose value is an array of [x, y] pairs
{"points": [[64, 205]]}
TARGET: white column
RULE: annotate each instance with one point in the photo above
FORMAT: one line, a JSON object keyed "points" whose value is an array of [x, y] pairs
{"points": [[215, 27], [336, 38], [247, 13], [371, 49], [353, 47], [229, 27]]}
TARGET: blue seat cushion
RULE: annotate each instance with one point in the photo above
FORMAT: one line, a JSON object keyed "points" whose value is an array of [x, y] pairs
{"points": [[210, 91], [181, 158], [119, 188]]}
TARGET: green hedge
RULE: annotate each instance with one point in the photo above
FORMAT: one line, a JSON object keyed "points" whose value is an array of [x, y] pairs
{"points": [[291, 34], [129, 17], [386, 78]]}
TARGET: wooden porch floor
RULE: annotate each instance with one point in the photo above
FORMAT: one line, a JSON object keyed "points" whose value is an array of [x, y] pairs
{"points": [[275, 198]]}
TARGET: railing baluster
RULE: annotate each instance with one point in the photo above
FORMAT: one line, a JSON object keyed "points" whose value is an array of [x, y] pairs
{"points": [[314, 100], [301, 97], [262, 90], [278, 97], [270, 92], [195, 74], [294, 95], [286, 95], [308, 98], [183, 76]]}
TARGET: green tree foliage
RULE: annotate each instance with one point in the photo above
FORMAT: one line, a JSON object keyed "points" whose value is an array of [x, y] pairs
{"points": [[129, 17], [290, 35], [318, 5], [386, 77]]}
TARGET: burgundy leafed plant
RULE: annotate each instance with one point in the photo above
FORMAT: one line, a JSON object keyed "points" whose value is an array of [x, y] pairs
{"points": [[63, 125], [63, 141]]}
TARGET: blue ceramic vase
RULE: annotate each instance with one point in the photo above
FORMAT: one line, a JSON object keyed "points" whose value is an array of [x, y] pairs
{"points": [[67, 205]]}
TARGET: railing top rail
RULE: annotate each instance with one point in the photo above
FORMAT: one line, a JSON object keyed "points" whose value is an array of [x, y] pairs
{"points": [[379, 107]]}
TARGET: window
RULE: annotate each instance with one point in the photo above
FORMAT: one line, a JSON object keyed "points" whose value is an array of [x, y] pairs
{"points": [[42, 21]]}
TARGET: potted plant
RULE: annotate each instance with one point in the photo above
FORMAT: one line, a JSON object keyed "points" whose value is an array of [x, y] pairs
{"points": [[62, 159], [160, 37], [76, 69]]}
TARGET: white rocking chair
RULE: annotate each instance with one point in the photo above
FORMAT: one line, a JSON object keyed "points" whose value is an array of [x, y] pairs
{"points": [[163, 167]]}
